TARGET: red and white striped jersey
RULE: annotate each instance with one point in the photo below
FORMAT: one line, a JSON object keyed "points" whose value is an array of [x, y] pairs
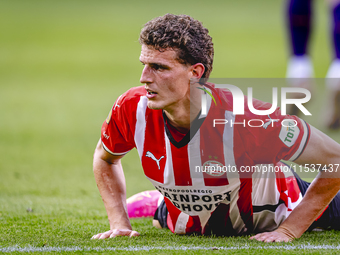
{"points": [[237, 200]]}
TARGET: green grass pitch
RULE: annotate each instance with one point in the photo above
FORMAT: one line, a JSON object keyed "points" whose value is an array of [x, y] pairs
{"points": [[63, 64]]}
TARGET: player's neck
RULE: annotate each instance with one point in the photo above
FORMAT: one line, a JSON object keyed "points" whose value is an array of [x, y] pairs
{"points": [[181, 118], [181, 114]]}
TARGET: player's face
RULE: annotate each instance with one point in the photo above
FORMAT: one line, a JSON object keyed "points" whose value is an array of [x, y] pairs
{"points": [[166, 80]]}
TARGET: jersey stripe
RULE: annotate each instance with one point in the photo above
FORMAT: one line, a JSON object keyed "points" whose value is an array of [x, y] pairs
{"points": [[154, 154], [181, 223], [244, 202], [169, 170], [212, 153], [181, 166], [195, 161], [140, 125], [173, 214], [264, 184], [235, 217], [228, 144]]}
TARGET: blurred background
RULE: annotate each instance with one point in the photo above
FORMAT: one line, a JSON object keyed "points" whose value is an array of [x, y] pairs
{"points": [[63, 64]]}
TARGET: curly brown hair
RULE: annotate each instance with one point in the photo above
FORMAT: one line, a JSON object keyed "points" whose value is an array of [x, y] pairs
{"points": [[181, 33]]}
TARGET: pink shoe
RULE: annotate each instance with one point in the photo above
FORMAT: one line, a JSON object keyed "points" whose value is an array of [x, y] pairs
{"points": [[143, 204]]}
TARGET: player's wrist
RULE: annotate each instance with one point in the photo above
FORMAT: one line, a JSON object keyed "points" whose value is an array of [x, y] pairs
{"points": [[112, 227], [290, 232], [120, 225]]}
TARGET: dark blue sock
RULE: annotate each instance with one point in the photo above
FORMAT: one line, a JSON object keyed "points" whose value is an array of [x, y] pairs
{"points": [[336, 30], [299, 23]]}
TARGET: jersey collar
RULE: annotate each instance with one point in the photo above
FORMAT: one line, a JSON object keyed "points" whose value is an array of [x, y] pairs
{"points": [[194, 127]]}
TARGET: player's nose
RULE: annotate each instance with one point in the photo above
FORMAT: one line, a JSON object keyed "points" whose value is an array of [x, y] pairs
{"points": [[146, 75]]}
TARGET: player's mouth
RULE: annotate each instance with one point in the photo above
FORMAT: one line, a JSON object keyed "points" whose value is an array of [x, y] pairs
{"points": [[150, 94]]}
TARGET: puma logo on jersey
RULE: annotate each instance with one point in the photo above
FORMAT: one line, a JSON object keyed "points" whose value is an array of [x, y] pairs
{"points": [[150, 155], [268, 123]]}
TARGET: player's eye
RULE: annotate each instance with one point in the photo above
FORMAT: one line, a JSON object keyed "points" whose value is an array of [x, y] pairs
{"points": [[158, 67]]}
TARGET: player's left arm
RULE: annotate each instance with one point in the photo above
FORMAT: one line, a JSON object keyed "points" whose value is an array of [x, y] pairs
{"points": [[320, 149]]}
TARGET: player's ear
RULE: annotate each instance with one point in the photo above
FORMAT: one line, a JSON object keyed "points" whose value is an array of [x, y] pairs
{"points": [[197, 70]]}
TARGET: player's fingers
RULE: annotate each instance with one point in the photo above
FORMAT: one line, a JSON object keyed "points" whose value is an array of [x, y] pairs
{"points": [[275, 239], [259, 237], [255, 237], [285, 239], [270, 239], [252, 238], [117, 232], [120, 232], [134, 233], [96, 236], [105, 235], [279, 237]]}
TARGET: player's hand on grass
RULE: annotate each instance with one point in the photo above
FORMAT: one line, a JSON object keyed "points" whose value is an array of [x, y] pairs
{"points": [[275, 236], [116, 232]]}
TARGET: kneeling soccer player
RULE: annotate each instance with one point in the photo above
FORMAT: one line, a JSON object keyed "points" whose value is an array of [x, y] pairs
{"points": [[176, 141]]}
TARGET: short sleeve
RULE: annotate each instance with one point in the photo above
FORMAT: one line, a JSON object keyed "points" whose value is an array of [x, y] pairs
{"points": [[116, 134]]}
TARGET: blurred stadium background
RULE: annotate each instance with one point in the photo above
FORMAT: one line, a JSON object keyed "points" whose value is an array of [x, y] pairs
{"points": [[63, 64]]}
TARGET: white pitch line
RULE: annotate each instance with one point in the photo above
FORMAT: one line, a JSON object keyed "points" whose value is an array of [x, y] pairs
{"points": [[172, 248]]}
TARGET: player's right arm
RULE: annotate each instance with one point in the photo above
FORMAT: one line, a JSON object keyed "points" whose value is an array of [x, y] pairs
{"points": [[109, 176]]}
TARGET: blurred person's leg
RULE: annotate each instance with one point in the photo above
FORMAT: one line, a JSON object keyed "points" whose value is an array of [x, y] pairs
{"points": [[300, 67], [143, 204], [148, 203], [333, 74], [299, 24], [160, 219]]}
